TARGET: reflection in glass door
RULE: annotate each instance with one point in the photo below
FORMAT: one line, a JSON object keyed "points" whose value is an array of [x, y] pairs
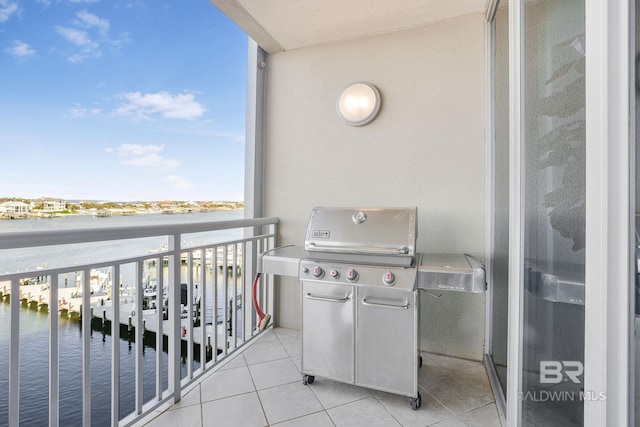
{"points": [[553, 205]]}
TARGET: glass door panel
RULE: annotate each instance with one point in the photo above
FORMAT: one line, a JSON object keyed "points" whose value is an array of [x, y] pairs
{"points": [[636, 285], [553, 194], [500, 255]]}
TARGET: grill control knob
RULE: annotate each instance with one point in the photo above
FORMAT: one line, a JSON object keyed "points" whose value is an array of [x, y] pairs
{"points": [[318, 272], [334, 273], [352, 275], [389, 278]]}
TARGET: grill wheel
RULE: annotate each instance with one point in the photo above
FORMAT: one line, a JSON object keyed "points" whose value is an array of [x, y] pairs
{"points": [[416, 403]]}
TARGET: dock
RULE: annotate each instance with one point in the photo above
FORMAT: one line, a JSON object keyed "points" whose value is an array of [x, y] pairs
{"points": [[36, 296]]}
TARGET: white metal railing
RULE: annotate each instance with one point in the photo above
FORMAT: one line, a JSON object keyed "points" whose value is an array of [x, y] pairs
{"points": [[225, 270]]}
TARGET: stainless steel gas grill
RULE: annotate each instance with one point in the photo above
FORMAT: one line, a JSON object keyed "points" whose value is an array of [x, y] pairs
{"points": [[359, 302], [360, 272]]}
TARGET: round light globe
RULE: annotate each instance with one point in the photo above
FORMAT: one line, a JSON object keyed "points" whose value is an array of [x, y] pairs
{"points": [[359, 103]]}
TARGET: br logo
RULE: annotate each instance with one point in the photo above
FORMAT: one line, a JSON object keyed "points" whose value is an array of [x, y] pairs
{"points": [[553, 371]]}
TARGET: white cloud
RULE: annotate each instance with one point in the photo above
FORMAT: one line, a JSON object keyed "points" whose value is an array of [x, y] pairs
{"points": [[77, 37], [87, 34], [145, 156], [89, 20], [180, 106], [21, 50], [7, 8], [177, 182], [79, 112]]}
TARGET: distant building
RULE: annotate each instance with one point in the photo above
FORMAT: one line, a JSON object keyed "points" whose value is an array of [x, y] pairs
{"points": [[15, 207], [49, 204]]}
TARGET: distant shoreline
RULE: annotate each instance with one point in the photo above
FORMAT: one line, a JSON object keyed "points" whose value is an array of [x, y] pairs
{"points": [[107, 209]]}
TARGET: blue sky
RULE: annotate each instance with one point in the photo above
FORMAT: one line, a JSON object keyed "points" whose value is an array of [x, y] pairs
{"points": [[121, 100]]}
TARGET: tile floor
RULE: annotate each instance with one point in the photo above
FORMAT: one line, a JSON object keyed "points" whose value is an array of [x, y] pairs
{"points": [[262, 386]]}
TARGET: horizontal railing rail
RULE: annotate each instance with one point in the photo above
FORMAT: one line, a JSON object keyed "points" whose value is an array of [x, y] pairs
{"points": [[29, 239], [194, 299]]}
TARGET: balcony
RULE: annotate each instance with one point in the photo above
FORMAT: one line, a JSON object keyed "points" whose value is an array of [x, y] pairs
{"points": [[222, 369]]}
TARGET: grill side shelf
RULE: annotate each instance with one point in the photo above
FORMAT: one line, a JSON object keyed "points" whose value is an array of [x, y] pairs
{"points": [[284, 261], [451, 272]]}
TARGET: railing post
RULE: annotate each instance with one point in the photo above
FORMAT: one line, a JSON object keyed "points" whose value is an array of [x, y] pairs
{"points": [[203, 308], [14, 356], [115, 345], [248, 271], [174, 317], [270, 289], [54, 353], [159, 322], [85, 312], [138, 331], [189, 336]]}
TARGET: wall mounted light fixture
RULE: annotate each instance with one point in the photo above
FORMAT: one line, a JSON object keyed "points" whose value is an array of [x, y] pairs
{"points": [[359, 103]]}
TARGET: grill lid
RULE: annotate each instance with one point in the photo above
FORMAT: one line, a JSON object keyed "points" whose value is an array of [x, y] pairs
{"points": [[373, 236]]}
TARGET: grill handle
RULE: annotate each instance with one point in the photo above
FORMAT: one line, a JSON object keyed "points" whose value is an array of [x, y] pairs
{"points": [[360, 250], [377, 304], [327, 299]]}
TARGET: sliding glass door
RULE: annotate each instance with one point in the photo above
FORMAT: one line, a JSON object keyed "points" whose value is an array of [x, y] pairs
{"points": [[537, 251], [553, 203], [563, 248]]}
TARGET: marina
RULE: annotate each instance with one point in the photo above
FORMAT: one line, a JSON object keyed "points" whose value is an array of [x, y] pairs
{"points": [[36, 297]]}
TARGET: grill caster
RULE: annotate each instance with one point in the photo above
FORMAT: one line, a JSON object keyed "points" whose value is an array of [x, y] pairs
{"points": [[308, 379], [416, 403]]}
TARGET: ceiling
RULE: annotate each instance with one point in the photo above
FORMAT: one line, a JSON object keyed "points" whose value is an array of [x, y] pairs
{"points": [[280, 25]]}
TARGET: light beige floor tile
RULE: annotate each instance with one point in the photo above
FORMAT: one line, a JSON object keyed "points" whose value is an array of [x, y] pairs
{"points": [[362, 413], [191, 398], [293, 346], [288, 401], [333, 393], [265, 352], [267, 335], [242, 410], [430, 369], [477, 376], [226, 383], [274, 373], [284, 333], [430, 412], [297, 360], [456, 394], [188, 416], [236, 361], [451, 422], [453, 363], [319, 419], [487, 416]]}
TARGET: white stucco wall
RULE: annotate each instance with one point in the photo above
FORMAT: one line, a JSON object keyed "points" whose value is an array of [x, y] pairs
{"points": [[425, 149]]}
